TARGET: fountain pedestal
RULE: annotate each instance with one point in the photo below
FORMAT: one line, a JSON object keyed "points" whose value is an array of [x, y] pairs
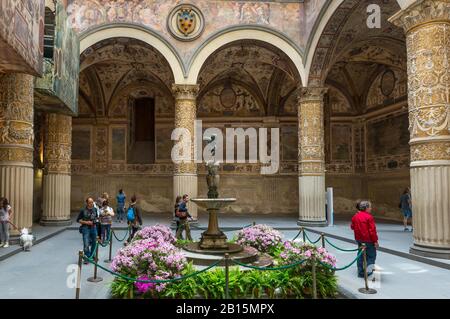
{"points": [[213, 237]]}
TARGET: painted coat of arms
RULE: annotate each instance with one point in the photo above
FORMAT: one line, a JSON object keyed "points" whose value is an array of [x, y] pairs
{"points": [[186, 21]]}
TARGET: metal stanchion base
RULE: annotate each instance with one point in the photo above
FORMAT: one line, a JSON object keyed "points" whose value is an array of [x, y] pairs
{"points": [[93, 279], [368, 291], [107, 261]]}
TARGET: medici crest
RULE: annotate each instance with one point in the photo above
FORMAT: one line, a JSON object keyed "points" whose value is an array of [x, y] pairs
{"points": [[185, 22]]}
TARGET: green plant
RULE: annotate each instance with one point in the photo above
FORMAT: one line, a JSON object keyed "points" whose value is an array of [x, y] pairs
{"points": [[120, 288]]}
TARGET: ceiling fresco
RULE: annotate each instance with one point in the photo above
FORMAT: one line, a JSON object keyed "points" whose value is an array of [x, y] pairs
{"points": [[111, 65], [350, 56]]}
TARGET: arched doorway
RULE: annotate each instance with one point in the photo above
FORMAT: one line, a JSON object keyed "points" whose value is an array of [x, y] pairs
{"points": [[366, 110], [252, 84], [121, 138]]}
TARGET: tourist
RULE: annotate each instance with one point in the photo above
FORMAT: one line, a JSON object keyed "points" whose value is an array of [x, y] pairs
{"points": [[176, 218], [121, 197], [5, 218], [88, 217], [183, 215], [98, 206], [135, 222], [363, 224], [106, 214], [405, 206]]}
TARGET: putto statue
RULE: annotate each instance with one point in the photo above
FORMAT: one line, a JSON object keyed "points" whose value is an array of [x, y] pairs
{"points": [[212, 179]]}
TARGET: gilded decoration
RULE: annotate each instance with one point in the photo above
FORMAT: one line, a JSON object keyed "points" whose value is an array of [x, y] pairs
{"points": [[185, 115], [311, 131], [430, 151], [58, 144], [16, 117], [427, 24]]}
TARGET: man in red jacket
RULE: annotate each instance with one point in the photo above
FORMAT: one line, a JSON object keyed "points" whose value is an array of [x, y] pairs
{"points": [[363, 224]]}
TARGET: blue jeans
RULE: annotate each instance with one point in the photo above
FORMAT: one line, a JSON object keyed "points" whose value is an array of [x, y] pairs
{"points": [[106, 229], [89, 239], [371, 255], [120, 213]]}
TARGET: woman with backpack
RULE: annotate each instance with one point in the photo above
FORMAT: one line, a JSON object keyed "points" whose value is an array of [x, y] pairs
{"points": [[134, 217]]}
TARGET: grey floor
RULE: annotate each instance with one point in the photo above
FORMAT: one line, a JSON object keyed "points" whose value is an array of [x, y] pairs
{"points": [[48, 270]]}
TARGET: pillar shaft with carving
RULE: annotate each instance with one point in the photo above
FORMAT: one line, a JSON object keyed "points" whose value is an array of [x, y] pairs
{"points": [[57, 180], [185, 173], [311, 157], [427, 27], [16, 146]]}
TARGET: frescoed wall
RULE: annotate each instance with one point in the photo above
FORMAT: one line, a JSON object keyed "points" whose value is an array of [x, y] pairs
{"points": [[21, 36], [284, 17], [57, 90]]}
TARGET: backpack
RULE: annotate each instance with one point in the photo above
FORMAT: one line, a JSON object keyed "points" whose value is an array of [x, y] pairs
{"points": [[130, 214]]}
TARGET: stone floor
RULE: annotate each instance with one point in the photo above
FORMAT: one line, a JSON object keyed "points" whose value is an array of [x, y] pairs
{"points": [[45, 271]]}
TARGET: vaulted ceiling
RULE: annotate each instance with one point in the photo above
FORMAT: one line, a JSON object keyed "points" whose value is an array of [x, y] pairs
{"points": [[350, 55], [110, 66]]}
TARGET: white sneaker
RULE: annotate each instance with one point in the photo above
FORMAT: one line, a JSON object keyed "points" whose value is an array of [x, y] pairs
{"points": [[6, 245]]}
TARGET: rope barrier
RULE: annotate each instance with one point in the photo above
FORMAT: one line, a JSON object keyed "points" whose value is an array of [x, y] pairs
{"points": [[298, 234], [312, 242], [151, 280], [341, 249], [270, 268], [342, 268], [126, 234]]}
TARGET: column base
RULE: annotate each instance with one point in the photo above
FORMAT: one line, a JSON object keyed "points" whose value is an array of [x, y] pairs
{"points": [[66, 222], [431, 252], [307, 223]]}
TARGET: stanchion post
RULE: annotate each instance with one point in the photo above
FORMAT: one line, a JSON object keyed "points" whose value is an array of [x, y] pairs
{"points": [[254, 223], [80, 263], [130, 292], [227, 276], [314, 279], [322, 235], [95, 278], [110, 246], [366, 289], [302, 229]]}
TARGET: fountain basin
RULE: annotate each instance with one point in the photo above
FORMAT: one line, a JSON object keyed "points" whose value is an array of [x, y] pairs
{"points": [[213, 203]]}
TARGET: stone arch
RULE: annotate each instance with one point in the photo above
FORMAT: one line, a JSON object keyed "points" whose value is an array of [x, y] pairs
{"points": [[139, 33], [328, 26], [234, 34]]}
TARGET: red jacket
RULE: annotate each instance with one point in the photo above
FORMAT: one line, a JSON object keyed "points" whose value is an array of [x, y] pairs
{"points": [[364, 226]]}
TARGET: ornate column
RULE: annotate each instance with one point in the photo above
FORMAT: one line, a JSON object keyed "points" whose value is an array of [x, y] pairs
{"points": [[185, 174], [57, 180], [427, 27], [311, 157], [16, 146]]}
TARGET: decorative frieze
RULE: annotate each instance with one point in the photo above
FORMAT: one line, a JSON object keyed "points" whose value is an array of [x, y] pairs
{"points": [[311, 146], [58, 144]]}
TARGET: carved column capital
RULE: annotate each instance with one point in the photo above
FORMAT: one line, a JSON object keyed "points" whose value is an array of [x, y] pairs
{"points": [[185, 91], [311, 94], [422, 12], [16, 118]]}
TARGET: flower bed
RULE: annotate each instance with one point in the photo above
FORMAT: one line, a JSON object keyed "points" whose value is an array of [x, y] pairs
{"points": [[147, 259], [261, 237], [156, 257], [159, 233]]}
